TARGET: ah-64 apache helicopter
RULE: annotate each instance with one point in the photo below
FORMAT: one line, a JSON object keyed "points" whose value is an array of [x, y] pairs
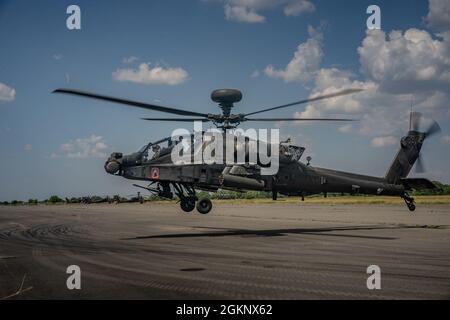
{"points": [[293, 177]]}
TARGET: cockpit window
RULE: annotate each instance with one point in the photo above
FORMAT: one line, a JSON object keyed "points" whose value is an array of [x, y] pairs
{"points": [[143, 149], [294, 153]]}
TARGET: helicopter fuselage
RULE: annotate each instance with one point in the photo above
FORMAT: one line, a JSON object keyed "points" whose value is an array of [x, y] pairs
{"points": [[293, 177]]}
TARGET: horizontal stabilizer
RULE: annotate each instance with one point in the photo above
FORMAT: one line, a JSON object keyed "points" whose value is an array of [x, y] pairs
{"points": [[418, 184]]}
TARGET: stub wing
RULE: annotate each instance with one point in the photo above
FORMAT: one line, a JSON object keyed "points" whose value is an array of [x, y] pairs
{"points": [[418, 184]]}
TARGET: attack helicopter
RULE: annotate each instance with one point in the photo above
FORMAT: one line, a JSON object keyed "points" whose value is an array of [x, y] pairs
{"points": [[168, 179]]}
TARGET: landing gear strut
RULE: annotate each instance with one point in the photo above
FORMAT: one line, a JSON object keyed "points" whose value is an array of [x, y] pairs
{"points": [[188, 199], [185, 192], [409, 202]]}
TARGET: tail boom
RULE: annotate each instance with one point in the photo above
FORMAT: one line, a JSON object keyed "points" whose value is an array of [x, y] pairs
{"points": [[410, 146]]}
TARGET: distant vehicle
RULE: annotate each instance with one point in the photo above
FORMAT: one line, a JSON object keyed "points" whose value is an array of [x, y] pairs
{"points": [[89, 200], [134, 198]]}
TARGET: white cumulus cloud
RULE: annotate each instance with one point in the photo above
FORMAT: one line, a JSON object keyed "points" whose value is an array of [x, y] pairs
{"points": [[305, 63], [130, 59], [398, 70], [438, 14], [345, 128], [91, 147], [297, 7], [255, 74], [145, 74], [377, 111], [379, 142], [249, 11], [243, 14], [404, 62], [310, 112], [7, 93]]}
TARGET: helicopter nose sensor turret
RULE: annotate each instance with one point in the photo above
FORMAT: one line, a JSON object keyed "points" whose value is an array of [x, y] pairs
{"points": [[113, 164], [112, 167]]}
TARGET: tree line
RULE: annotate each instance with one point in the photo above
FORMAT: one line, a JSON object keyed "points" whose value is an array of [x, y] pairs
{"points": [[443, 189]]}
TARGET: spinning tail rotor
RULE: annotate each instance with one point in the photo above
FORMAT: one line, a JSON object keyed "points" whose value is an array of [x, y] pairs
{"points": [[411, 144], [433, 128]]}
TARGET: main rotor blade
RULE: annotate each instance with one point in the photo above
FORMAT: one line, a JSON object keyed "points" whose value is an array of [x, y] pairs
{"points": [[143, 105], [297, 119], [326, 96], [177, 119]]}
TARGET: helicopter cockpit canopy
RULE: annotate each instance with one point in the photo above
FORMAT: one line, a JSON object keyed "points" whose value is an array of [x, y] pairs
{"points": [[288, 151], [158, 148], [291, 151]]}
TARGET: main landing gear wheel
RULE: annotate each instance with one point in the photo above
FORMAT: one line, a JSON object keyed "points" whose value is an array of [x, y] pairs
{"points": [[187, 205], [204, 206]]}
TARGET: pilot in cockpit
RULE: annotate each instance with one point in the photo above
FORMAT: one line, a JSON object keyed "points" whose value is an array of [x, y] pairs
{"points": [[156, 151], [284, 146]]}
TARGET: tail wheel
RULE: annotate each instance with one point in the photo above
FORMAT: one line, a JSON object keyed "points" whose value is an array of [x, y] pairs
{"points": [[187, 205], [409, 202], [204, 206]]}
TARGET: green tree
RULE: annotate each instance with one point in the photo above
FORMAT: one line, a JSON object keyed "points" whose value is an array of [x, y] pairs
{"points": [[55, 199]]}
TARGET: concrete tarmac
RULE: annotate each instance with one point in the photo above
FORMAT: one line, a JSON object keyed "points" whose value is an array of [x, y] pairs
{"points": [[279, 251]]}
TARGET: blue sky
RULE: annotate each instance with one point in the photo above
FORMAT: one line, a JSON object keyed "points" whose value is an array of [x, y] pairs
{"points": [[273, 51]]}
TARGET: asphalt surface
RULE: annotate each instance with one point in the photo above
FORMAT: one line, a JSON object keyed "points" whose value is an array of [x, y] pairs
{"points": [[133, 251]]}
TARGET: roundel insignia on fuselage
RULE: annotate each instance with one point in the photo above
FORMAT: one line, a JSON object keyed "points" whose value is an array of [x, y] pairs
{"points": [[154, 173]]}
